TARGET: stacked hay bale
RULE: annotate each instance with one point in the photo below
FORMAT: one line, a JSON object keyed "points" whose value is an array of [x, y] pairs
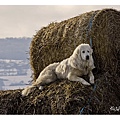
{"points": [[57, 41], [64, 97]]}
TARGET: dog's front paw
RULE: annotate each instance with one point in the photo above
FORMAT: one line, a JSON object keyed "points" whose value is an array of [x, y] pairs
{"points": [[85, 82], [25, 92], [28, 90], [92, 80]]}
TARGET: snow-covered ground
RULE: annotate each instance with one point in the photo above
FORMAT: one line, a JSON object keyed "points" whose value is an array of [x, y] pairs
{"points": [[13, 67], [15, 82]]}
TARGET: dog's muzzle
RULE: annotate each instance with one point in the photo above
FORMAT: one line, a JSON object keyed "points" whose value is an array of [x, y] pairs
{"points": [[87, 57]]}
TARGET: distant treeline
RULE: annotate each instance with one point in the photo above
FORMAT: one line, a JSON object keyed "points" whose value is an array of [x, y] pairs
{"points": [[14, 48]]}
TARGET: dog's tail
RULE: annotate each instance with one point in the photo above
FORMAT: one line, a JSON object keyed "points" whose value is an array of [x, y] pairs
{"points": [[28, 90]]}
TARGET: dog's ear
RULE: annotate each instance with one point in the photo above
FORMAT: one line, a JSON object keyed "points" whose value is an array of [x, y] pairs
{"points": [[75, 59], [92, 63], [80, 55], [76, 51], [91, 51], [73, 62]]}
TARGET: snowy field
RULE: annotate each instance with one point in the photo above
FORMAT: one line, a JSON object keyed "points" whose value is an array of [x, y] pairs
{"points": [[15, 82]]}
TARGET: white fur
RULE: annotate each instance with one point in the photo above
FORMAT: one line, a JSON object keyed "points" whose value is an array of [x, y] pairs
{"points": [[78, 64]]}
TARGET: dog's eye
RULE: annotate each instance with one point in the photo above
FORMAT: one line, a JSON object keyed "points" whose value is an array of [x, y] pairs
{"points": [[83, 51], [88, 51]]}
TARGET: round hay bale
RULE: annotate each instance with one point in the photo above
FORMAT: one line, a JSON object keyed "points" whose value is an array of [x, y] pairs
{"points": [[57, 41]]}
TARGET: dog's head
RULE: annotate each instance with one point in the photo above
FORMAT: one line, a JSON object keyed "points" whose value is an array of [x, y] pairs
{"points": [[83, 53]]}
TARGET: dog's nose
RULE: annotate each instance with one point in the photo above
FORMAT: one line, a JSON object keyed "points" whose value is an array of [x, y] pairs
{"points": [[87, 57]]}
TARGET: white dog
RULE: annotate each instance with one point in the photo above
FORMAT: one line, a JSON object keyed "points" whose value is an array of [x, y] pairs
{"points": [[78, 64]]}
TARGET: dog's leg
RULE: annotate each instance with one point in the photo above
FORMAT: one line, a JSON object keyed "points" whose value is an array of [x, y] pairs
{"points": [[72, 77], [40, 82], [28, 90], [91, 77]]}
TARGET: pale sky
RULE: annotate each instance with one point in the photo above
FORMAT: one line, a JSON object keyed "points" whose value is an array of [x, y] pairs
{"points": [[19, 21]]}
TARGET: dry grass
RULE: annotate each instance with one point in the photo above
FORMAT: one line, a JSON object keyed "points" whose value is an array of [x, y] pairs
{"points": [[65, 97]]}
